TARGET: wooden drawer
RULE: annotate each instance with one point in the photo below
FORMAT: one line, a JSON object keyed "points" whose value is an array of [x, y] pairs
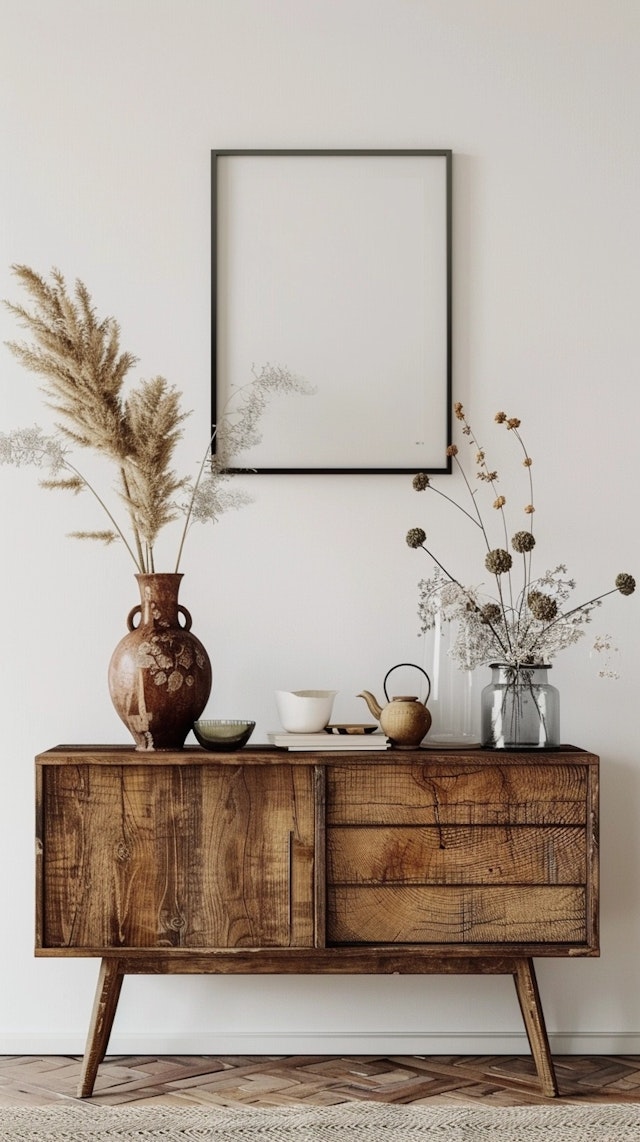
{"points": [[461, 794], [457, 915], [456, 854], [461, 853]]}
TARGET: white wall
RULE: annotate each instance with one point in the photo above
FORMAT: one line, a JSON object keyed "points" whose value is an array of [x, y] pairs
{"points": [[109, 109]]}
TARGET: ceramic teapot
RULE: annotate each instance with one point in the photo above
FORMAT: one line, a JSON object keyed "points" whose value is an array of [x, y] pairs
{"points": [[405, 719]]}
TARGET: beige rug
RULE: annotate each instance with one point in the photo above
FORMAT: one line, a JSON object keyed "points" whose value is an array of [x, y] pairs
{"points": [[348, 1122]]}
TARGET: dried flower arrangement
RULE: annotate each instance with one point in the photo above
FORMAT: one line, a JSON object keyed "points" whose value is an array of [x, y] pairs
{"points": [[517, 627], [84, 372]]}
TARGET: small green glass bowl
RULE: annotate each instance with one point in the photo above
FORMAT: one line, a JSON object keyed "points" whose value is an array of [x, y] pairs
{"points": [[219, 733]]}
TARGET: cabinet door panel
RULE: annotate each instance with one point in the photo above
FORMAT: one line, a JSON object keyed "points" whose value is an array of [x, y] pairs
{"points": [[177, 856]]}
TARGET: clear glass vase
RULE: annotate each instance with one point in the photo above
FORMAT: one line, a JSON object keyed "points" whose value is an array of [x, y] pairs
{"points": [[454, 702], [520, 709]]}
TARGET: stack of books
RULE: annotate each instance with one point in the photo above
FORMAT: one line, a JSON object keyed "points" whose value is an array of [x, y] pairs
{"points": [[351, 743]]}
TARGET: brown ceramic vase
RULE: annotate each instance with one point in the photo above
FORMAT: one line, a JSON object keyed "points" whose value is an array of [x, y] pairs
{"points": [[160, 673]]}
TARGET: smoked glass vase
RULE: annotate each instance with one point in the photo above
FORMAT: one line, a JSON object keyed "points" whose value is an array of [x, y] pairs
{"points": [[520, 709]]}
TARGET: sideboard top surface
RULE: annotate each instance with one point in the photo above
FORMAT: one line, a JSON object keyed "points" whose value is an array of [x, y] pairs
{"points": [[273, 755]]}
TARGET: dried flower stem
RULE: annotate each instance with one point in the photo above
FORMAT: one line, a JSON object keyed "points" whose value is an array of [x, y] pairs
{"points": [[583, 608], [528, 465], [84, 371], [474, 520], [489, 479], [479, 520], [242, 433], [138, 562], [471, 601], [142, 563], [532, 627], [189, 510]]}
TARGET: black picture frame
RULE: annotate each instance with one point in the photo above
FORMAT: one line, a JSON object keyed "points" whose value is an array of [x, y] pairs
{"points": [[337, 264]]}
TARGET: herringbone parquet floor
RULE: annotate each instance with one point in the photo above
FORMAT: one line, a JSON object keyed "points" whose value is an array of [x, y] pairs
{"points": [[321, 1079]]}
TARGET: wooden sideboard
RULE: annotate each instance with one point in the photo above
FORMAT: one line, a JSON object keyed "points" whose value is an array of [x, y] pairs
{"points": [[263, 860]]}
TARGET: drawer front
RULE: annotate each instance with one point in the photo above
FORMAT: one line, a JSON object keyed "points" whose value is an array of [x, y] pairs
{"points": [[458, 794], [456, 854], [456, 915], [461, 854]]}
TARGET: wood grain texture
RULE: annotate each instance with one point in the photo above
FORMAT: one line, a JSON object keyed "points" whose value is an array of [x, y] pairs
{"points": [[335, 959], [456, 855], [264, 862], [312, 1080], [493, 915], [178, 857], [102, 1016], [264, 755], [457, 794], [531, 1008], [320, 884], [593, 857]]}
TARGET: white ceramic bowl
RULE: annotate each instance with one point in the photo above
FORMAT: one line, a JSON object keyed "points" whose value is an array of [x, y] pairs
{"points": [[304, 711]]}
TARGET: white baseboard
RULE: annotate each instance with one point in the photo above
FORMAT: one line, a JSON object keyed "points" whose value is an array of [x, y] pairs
{"points": [[323, 1043]]}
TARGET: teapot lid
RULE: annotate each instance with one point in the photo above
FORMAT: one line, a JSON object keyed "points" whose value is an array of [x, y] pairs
{"points": [[405, 698]]}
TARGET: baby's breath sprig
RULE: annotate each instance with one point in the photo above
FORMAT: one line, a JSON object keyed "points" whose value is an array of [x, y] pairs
{"points": [[528, 628], [30, 446]]}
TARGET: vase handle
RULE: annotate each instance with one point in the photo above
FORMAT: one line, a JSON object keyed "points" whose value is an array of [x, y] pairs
{"points": [[137, 610], [187, 616]]}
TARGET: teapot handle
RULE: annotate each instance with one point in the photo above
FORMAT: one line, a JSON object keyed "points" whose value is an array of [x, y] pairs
{"points": [[415, 667]]}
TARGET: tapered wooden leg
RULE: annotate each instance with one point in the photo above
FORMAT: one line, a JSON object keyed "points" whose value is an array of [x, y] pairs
{"points": [[531, 1007], [104, 1010]]}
